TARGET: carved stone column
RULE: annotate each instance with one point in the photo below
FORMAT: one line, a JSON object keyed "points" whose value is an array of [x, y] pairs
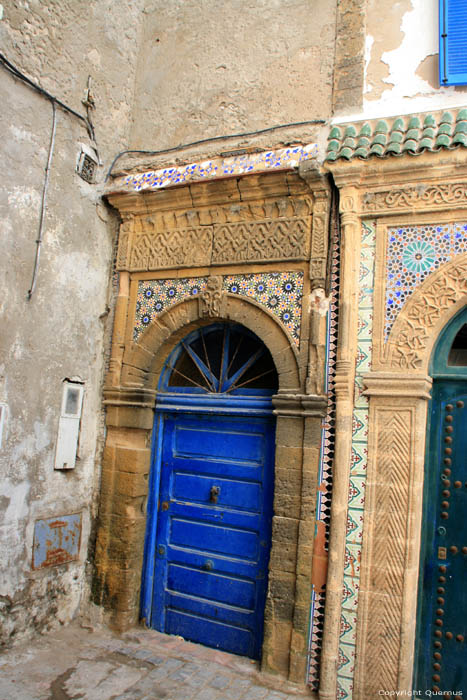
{"points": [[344, 386], [391, 543], [298, 431]]}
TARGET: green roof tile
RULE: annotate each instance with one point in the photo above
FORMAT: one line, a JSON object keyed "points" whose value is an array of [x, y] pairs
{"points": [[394, 148], [335, 133], [445, 129], [377, 148], [365, 130], [460, 138], [333, 145], [381, 127], [406, 135], [396, 137], [410, 145], [361, 152], [351, 131], [429, 120], [346, 153], [414, 123], [426, 143], [398, 125], [443, 140]]}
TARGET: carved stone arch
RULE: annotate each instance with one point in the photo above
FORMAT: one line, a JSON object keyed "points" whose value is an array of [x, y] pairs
{"points": [[144, 359], [427, 312]]}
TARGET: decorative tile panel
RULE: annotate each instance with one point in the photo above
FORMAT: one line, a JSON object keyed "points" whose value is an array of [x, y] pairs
{"points": [[414, 252], [280, 159], [356, 497], [280, 292]]}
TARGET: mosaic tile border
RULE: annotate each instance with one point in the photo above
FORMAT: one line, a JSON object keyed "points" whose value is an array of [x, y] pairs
{"points": [[318, 599], [279, 292], [356, 500], [278, 159], [413, 253]]}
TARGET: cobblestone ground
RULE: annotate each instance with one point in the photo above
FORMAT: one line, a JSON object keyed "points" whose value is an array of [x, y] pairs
{"points": [[96, 664]]}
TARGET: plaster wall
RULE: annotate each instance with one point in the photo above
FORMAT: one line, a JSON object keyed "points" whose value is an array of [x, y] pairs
{"points": [[401, 60], [210, 68], [60, 332]]}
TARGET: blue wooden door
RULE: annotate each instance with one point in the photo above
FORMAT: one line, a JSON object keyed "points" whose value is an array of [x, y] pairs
{"points": [[214, 530], [210, 512], [442, 648], [441, 651]]}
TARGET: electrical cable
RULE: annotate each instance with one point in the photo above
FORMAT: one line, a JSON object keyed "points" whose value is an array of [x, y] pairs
{"points": [[44, 200], [211, 140], [17, 73]]}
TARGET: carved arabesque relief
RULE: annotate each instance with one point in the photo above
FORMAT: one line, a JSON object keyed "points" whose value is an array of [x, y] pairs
{"points": [[420, 197], [412, 331], [272, 230]]}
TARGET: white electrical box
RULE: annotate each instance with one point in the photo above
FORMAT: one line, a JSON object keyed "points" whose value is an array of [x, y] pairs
{"points": [[68, 427]]}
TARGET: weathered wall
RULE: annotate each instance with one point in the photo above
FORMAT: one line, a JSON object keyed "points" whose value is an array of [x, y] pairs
{"points": [[210, 68], [59, 332], [402, 59]]}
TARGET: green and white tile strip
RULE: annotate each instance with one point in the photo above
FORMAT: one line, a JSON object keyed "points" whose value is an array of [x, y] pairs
{"points": [[356, 501]]}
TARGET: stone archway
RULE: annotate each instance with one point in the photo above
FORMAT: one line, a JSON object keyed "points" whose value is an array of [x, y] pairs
{"points": [[130, 398]]}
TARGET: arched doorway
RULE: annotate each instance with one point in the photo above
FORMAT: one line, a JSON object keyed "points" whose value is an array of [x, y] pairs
{"points": [[211, 492], [441, 651]]}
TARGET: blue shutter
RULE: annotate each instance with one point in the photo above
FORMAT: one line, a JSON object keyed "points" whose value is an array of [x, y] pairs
{"points": [[452, 42]]}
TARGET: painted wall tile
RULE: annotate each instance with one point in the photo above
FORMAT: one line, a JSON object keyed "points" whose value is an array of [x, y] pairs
{"points": [[354, 525], [348, 632], [280, 293], [346, 660], [357, 491], [353, 553], [279, 159], [414, 252], [350, 592]]}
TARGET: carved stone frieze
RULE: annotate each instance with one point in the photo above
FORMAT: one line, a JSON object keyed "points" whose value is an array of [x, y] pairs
{"points": [[278, 229], [262, 240], [412, 331], [319, 239], [191, 246], [420, 197]]}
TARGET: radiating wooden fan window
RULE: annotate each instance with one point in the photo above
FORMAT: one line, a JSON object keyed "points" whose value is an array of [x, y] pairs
{"points": [[458, 352], [224, 359]]}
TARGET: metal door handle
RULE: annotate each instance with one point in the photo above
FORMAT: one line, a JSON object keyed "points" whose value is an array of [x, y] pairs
{"points": [[214, 493]]}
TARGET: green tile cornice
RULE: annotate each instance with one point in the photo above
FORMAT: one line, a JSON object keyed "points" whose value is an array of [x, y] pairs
{"points": [[411, 134]]}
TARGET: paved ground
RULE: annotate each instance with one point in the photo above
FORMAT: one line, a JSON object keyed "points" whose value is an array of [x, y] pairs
{"points": [[95, 664]]}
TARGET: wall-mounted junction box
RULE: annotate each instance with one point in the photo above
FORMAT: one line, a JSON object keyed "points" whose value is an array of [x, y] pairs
{"points": [[68, 426]]}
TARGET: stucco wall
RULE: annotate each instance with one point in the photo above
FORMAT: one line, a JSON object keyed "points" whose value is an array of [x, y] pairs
{"points": [[211, 67], [59, 332]]}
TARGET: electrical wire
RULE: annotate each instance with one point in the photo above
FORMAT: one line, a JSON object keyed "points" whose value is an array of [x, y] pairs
{"points": [[17, 73], [44, 200], [211, 140]]}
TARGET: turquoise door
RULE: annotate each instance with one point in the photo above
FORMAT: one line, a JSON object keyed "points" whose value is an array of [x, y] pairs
{"points": [[441, 653], [210, 515]]}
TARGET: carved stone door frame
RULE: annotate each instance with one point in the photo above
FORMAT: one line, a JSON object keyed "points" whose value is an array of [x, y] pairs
{"points": [[393, 191], [186, 236]]}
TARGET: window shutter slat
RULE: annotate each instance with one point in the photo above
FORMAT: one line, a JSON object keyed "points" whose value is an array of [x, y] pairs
{"points": [[452, 44]]}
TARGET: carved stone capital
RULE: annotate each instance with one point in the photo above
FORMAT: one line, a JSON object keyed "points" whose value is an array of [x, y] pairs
{"points": [[129, 396], [395, 385], [344, 380], [296, 405]]}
